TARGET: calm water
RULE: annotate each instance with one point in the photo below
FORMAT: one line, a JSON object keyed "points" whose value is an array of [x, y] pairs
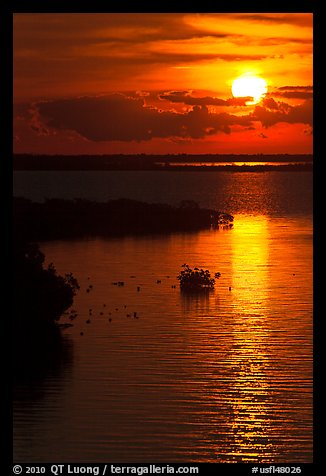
{"points": [[219, 377], [271, 193]]}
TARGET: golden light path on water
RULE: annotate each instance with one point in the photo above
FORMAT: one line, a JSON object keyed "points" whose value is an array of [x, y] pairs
{"points": [[250, 279], [259, 391]]}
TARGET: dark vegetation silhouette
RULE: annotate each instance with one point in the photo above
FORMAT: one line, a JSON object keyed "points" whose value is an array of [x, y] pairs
{"points": [[57, 218], [39, 292], [40, 298], [196, 279]]}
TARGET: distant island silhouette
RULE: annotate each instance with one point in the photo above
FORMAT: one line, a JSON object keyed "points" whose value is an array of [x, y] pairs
{"points": [[166, 162]]}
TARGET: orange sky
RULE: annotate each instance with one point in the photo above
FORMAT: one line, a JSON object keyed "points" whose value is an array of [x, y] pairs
{"points": [[161, 83]]}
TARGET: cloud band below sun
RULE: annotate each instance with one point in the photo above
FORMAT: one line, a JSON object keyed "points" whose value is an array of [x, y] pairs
{"points": [[118, 117]]}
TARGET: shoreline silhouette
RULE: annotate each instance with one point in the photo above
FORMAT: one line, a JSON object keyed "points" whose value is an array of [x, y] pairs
{"points": [[64, 219], [168, 162]]}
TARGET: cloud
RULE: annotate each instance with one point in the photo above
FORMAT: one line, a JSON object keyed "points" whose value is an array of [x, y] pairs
{"points": [[270, 103], [295, 88], [107, 27], [118, 117], [295, 95], [298, 19], [185, 98], [119, 38], [272, 113], [280, 106], [294, 92]]}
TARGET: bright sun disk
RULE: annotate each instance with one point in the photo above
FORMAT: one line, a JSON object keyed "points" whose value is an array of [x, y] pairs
{"points": [[249, 85]]}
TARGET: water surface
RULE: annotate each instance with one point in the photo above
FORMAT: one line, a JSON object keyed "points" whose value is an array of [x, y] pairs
{"points": [[218, 377], [272, 193]]}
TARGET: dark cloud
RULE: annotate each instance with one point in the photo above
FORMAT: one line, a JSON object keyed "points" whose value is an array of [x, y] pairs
{"points": [[270, 103], [117, 117], [297, 45], [294, 92], [295, 88], [298, 19], [280, 106], [238, 101], [41, 32], [125, 37], [282, 112], [110, 27], [185, 98]]}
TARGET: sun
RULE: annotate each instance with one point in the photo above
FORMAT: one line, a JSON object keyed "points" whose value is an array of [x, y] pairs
{"points": [[249, 85]]}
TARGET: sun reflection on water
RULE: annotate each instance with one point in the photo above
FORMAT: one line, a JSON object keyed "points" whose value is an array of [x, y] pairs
{"points": [[249, 360]]}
